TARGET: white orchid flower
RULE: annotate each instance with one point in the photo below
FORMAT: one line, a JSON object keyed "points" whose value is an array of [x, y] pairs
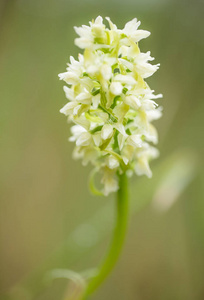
{"points": [[110, 102]]}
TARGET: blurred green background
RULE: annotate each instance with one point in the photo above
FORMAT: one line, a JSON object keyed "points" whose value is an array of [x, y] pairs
{"points": [[48, 217]]}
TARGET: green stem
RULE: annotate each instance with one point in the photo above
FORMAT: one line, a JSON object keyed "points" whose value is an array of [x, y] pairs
{"points": [[117, 240]]}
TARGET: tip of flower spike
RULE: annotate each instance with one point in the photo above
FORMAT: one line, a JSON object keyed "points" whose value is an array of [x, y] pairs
{"points": [[99, 20], [112, 26]]}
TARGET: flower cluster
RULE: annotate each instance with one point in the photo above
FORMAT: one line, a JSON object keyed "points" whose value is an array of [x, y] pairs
{"points": [[110, 102]]}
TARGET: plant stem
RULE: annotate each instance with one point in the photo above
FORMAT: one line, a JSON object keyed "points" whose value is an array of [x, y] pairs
{"points": [[118, 238]]}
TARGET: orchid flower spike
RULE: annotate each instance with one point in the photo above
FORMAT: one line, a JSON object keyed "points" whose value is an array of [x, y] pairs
{"points": [[110, 103]]}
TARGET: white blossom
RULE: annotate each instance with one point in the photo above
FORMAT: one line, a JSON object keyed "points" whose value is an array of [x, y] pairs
{"points": [[110, 102]]}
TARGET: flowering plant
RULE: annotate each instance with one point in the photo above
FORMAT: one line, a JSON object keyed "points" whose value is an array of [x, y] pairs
{"points": [[112, 108], [110, 102]]}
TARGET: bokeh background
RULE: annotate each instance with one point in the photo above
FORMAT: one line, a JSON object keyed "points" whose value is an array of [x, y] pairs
{"points": [[48, 217]]}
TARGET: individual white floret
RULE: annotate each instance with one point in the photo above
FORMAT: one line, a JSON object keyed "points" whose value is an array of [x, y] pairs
{"points": [[109, 181], [106, 131]]}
